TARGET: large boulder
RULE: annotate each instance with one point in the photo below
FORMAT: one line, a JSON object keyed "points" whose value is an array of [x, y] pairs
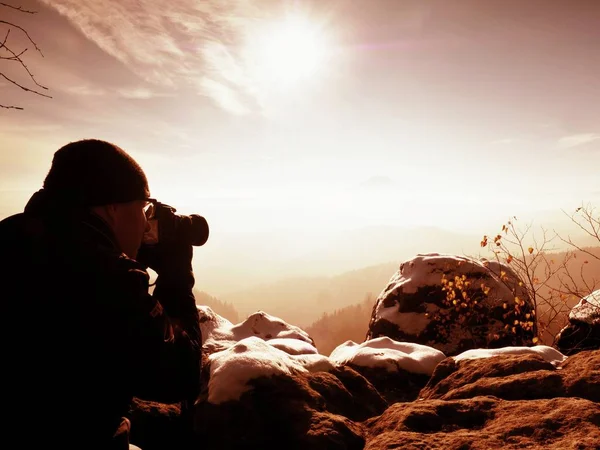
{"points": [[454, 303], [513, 398], [517, 374], [277, 393], [295, 411], [219, 333], [268, 398], [159, 426], [399, 370], [487, 422], [264, 381], [583, 329]]}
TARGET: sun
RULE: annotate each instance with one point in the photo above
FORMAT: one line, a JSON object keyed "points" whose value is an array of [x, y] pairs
{"points": [[286, 52]]}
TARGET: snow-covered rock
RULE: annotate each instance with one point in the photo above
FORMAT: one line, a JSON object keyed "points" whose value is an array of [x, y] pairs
{"points": [[389, 354], [454, 303], [583, 329], [219, 333], [549, 354]]}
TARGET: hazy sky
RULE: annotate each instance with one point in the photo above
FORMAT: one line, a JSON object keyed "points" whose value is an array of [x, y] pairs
{"points": [[320, 114]]}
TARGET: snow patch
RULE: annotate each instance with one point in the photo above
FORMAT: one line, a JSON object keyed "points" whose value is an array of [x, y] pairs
{"points": [[391, 355], [218, 333], [293, 346], [252, 357], [587, 310], [550, 354]]}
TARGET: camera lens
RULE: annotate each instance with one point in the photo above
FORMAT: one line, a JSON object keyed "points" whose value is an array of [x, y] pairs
{"points": [[194, 229]]}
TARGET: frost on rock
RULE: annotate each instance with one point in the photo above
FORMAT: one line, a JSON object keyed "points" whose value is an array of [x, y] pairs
{"points": [[549, 354], [391, 355], [218, 333], [587, 310], [260, 346], [583, 330], [293, 346], [252, 357], [454, 303]]}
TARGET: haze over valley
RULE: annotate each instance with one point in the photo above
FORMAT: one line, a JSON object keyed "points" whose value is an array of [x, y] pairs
{"points": [[318, 138]]}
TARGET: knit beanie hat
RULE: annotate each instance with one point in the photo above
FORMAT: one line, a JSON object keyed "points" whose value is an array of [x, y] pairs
{"points": [[92, 172]]}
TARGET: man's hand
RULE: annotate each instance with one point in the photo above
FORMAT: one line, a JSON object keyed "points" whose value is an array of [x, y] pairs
{"points": [[172, 262]]}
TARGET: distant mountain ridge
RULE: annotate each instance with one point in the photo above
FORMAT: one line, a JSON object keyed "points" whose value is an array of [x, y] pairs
{"points": [[232, 262], [304, 299]]}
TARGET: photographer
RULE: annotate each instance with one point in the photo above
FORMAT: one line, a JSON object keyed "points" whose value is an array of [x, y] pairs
{"points": [[82, 334]]}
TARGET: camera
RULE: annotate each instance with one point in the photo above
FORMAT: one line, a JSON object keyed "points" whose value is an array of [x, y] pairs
{"points": [[168, 228]]}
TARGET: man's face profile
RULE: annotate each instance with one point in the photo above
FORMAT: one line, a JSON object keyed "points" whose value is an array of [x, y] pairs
{"points": [[129, 224]]}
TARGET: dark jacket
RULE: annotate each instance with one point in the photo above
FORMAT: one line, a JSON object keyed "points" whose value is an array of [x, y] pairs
{"points": [[83, 336]]}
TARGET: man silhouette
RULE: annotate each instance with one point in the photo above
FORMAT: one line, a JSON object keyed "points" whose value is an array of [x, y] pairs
{"points": [[83, 334]]}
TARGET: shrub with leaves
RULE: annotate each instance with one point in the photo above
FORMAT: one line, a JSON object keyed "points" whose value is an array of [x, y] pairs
{"points": [[465, 306], [454, 303], [553, 280]]}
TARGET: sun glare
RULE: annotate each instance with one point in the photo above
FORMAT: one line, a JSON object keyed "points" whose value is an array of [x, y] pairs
{"points": [[286, 52]]}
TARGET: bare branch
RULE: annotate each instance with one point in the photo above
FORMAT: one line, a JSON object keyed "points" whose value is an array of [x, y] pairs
{"points": [[11, 107], [551, 284], [23, 87], [25, 32], [18, 8], [581, 249], [5, 38], [16, 57], [12, 55], [591, 225]]}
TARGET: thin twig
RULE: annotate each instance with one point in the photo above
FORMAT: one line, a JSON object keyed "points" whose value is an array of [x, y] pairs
{"points": [[25, 32], [5, 38], [11, 107], [18, 8], [23, 87], [16, 57]]}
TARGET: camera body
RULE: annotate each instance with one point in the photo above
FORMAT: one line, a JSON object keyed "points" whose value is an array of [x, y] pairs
{"points": [[169, 228]]}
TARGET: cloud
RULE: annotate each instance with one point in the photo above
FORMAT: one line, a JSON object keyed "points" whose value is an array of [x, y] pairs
{"points": [[577, 140], [225, 96], [131, 93], [184, 45], [139, 93], [85, 90]]}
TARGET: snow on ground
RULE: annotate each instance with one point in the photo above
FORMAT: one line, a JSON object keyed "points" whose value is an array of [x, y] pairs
{"points": [[213, 326], [389, 354], [263, 346], [550, 354], [218, 333], [252, 357], [293, 346], [260, 346], [314, 362], [265, 326]]}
